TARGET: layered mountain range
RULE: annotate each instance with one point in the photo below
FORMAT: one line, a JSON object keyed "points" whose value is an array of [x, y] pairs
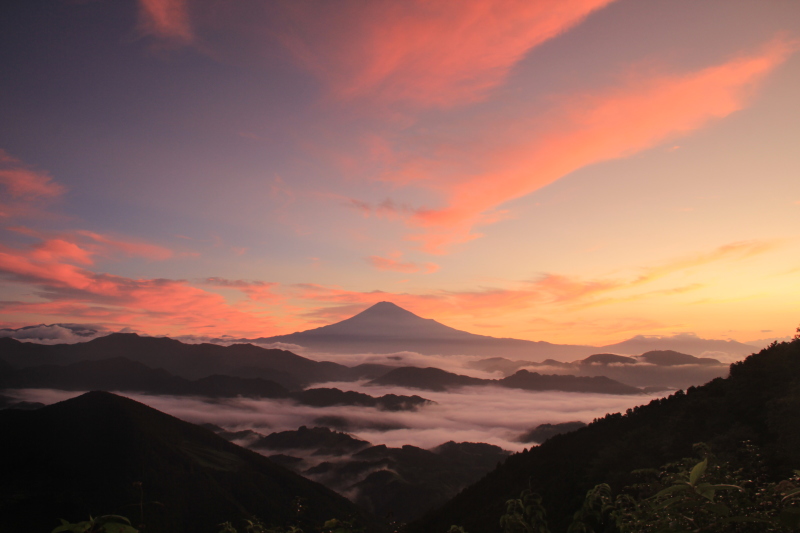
{"points": [[386, 328]]}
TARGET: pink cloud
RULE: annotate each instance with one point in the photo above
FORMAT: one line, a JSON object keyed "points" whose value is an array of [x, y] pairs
{"points": [[129, 247], [259, 291], [585, 129], [420, 52], [153, 305], [27, 187], [167, 19], [393, 263]]}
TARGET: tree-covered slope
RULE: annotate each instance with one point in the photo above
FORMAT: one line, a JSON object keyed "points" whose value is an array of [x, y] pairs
{"points": [[759, 402], [87, 456]]}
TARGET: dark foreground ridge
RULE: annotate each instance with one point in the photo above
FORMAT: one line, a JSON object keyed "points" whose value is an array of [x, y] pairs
{"points": [[85, 456], [759, 402]]}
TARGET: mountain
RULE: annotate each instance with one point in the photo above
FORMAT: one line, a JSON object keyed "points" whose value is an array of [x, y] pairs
{"points": [[440, 380], [320, 440], [100, 453], [429, 378], [523, 379], [654, 370], [684, 343], [190, 361], [120, 374], [388, 328], [401, 482], [542, 432], [55, 333], [757, 406]]}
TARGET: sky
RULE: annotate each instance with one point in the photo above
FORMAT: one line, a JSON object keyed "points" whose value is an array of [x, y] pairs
{"points": [[575, 171]]}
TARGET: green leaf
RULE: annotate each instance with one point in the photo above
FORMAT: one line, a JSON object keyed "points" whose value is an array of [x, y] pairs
{"points": [[728, 487], [719, 508], [790, 494], [706, 490], [698, 470]]}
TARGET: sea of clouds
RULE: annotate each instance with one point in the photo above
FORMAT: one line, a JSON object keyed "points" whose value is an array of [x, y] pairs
{"points": [[493, 415]]}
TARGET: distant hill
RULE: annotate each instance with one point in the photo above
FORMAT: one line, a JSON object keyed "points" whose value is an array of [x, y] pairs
{"points": [[190, 361], [542, 432], [439, 380], [388, 328], [684, 343], [758, 403], [120, 374], [401, 482], [654, 370], [84, 456]]}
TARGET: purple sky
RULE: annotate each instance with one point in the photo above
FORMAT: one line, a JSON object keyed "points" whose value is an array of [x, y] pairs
{"points": [[576, 171]]}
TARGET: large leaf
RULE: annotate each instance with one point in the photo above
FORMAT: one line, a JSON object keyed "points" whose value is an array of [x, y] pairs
{"points": [[698, 470]]}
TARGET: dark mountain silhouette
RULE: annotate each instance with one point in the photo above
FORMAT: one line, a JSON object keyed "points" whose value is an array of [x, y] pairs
{"points": [[439, 380], [759, 404], [85, 456], [607, 359], [388, 328], [120, 374], [190, 361], [542, 432], [324, 397], [655, 370], [407, 482], [523, 379], [673, 358], [426, 378], [321, 440]]}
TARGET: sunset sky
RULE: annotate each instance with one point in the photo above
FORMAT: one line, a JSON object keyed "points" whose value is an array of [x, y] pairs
{"points": [[575, 171]]}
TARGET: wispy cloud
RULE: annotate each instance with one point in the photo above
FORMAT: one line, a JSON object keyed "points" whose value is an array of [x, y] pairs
{"points": [[259, 291], [23, 187], [583, 129], [394, 264], [167, 19], [418, 52]]}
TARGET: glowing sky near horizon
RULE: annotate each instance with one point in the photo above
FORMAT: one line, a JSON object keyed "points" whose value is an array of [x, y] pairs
{"points": [[576, 171]]}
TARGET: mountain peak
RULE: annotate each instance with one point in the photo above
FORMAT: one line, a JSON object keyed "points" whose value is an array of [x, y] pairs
{"points": [[387, 310], [388, 320]]}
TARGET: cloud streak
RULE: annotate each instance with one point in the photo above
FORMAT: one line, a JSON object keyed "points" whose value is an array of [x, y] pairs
{"points": [[583, 130], [418, 52], [167, 19], [394, 264]]}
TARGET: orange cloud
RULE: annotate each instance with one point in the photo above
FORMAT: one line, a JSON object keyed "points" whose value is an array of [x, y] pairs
{"points": [[167, 19], [393, 263], [421, 52], [548, 292], [25, 186], [131, 248], [587, 130], [153, 305], [260, 291]]}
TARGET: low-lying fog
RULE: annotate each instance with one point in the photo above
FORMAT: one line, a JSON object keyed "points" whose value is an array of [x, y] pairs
{"points": [[472, 414]]}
